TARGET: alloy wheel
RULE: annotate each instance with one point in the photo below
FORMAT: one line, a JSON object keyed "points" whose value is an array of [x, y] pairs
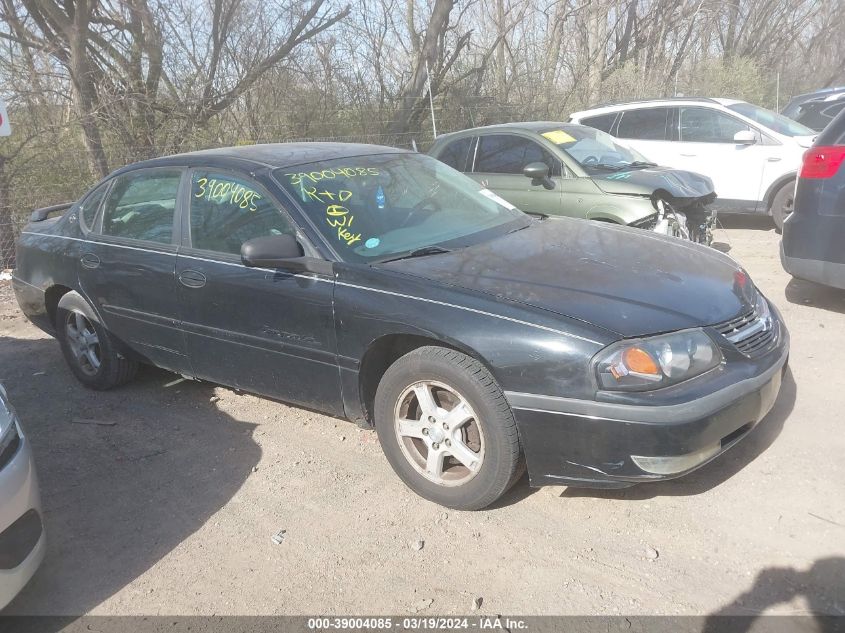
{"points": [[84, 342], [439, 433], [787, 208]]}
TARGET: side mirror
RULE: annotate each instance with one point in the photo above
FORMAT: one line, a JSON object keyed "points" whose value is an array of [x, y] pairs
{"points": [[539, 174], [281, 251], [745, 137]]}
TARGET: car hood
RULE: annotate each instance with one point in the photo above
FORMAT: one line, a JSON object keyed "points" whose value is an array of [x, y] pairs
{"points": [[681, 186], [625, 280]]}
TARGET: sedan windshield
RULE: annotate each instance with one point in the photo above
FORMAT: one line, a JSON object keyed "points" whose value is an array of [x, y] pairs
{"points": [[386, 206], [772, 120], [595, 151]]}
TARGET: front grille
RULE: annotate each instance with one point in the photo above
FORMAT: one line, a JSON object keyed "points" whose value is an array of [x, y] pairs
{"points": [[750, 333]]}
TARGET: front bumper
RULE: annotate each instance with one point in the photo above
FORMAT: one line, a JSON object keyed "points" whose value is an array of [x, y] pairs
{"points": [[608, 445], [22, 541]]}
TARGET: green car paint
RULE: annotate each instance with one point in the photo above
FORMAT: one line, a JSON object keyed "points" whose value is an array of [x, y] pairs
{"points": [[592, 176]]}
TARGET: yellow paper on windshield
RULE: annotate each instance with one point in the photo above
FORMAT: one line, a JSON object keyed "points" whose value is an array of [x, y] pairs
{"points": [[559, 137]]}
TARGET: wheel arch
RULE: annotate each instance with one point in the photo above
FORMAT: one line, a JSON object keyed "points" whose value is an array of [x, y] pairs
{"points": [[773, 189], [386, 350], [52, 296], [624, 212]]}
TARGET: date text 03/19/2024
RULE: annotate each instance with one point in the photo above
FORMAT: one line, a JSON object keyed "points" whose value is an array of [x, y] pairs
{"points": [[484, 623]]}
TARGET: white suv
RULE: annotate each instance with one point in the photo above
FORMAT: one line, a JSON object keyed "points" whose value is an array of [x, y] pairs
{"points": [[751, 154]]}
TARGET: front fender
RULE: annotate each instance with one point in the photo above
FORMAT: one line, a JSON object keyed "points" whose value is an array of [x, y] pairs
{"points": [[622, 210], [528, 350]]}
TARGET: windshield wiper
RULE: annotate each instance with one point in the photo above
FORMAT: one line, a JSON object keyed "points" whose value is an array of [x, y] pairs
{"points": [[535, 214], [642, 163], [606, 166], [418, 252]]}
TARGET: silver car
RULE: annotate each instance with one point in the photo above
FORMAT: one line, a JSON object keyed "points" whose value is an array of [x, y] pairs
{"points": [[22, 541]]}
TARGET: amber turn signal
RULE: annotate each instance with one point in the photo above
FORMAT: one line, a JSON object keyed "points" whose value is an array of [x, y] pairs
{"points": [[639, 361]]}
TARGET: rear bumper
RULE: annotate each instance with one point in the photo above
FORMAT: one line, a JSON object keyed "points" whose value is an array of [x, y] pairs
{"points": [[22, 540], [817, 270], [813, 235], [602, 445], [32, 302]]}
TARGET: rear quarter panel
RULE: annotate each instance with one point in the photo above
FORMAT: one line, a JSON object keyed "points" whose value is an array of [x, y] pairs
{"points": [[47, 255]]}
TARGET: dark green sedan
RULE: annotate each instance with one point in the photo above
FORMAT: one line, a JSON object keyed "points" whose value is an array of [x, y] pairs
{"points": [[565, 169]]}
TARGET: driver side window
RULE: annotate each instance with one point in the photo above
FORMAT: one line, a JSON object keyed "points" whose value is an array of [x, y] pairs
{"points": [[702, 125], [227, 211], [509, 154]]}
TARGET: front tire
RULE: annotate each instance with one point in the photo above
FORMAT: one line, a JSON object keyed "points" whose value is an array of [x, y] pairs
{"points": [[782, 204], [446, 429], [87, 347]]}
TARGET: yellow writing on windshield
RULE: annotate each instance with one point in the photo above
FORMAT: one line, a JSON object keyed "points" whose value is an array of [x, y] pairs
{"points": [[330, 174]]}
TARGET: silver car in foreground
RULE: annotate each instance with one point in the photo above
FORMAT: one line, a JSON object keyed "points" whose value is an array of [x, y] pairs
{"points": [[22, 541]]}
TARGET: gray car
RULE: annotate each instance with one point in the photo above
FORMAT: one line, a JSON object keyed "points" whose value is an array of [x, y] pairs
{"points": [[555, 168], [22, 541]]}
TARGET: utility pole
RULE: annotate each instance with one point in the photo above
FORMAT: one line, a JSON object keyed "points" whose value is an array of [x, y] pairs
{"points": [[430, 99]]}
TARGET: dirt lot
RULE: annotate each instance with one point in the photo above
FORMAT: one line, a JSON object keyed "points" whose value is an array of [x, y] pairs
{"points": [[168, 505]]}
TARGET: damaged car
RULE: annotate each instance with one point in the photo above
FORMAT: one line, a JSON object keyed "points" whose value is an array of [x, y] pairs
{"points": [[573, 170], [383, 286]]}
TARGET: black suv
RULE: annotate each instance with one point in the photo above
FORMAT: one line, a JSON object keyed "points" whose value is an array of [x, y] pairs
{"points": [[813, 235], [816, 109]]}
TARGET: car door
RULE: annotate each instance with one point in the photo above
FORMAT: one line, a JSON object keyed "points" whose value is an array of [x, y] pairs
{"points": [[127, 267], [266, 331], [499, 161], [706, 145]]}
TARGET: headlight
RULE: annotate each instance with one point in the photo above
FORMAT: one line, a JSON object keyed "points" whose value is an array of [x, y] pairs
{"points": [[657, 362]]}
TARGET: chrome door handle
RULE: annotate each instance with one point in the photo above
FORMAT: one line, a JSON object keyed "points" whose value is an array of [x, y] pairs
{"points": [[773, 159], [688, 155], [192, 279], [89, 260]]}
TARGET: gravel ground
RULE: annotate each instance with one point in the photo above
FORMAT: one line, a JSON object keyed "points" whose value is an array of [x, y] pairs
{"points": [[162, 498]]}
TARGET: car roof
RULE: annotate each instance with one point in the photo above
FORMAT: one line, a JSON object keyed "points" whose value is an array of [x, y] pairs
{"points": [[824, 99], [519, 126], [271, 155], [819, 93], [668, 101]]}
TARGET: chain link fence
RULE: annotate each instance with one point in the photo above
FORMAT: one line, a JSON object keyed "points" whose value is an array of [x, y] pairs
{"points": [[9, 231]]}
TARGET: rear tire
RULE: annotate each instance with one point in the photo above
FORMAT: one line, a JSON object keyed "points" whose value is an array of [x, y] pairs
{"points": [[87, 347], [446, 429], [782, 204]]}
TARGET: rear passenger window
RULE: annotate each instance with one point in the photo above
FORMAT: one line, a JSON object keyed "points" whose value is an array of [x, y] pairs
{"points": [[227, 211], [141, 205], [648, 124], [506, 154], [602, 122], [456, 154], [88, 209]]}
